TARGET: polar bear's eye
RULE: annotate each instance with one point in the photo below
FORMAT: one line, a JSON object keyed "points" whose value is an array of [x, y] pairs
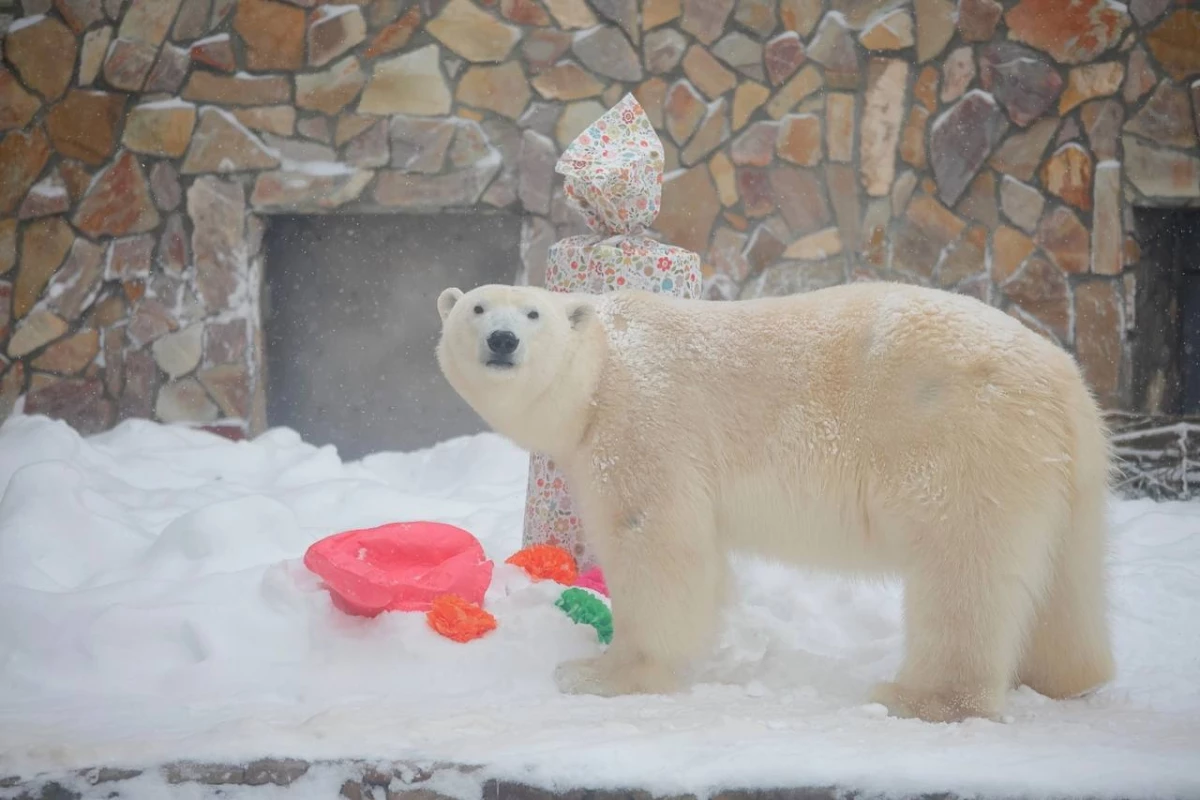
{"points": [[478, 309], [532, 315]]}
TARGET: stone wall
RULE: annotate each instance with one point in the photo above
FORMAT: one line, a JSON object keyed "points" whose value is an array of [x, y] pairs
{"points": [[995, 148]]}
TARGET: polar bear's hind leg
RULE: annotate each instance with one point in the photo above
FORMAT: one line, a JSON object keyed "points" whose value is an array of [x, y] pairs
{"points": [[969, 602], [1070, 649]]}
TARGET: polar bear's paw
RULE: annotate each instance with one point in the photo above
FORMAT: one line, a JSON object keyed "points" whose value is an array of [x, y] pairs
{"points": [[933, 706], [583, 676], [606, 677]]}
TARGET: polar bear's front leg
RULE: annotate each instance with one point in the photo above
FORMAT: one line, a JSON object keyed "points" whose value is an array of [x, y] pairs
{"points": [[609, 675], [667, 580]]}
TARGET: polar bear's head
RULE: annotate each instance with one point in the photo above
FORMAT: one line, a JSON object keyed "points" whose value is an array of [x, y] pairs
{"points": [[513, 354]]}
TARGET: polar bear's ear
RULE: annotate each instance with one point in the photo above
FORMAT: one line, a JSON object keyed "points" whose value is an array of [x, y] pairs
{"points": [[579, 312], [446, 301]]}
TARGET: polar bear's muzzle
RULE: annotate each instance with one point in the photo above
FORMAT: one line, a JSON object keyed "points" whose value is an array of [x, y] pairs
{"points": [[501, 347]]}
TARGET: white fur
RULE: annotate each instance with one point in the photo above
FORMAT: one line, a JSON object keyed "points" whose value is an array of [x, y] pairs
{"points": [[870, 428]]}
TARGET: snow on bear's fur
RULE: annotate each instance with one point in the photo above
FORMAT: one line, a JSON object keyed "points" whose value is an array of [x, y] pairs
{"points": [[871, 429]]}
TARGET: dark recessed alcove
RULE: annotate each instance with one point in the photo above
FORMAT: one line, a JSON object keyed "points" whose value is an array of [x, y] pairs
{"points": [[1165, 342], [351, 324]]}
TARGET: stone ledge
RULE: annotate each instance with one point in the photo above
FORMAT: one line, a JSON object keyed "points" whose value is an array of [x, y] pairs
{"points": [[373, 780]]}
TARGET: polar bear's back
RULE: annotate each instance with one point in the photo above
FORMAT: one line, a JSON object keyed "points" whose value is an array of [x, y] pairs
{"points": [[849, 349], [910, 393]]}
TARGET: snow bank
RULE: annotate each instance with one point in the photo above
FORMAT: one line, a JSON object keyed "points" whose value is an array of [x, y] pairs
{"points": [[153, 607]]}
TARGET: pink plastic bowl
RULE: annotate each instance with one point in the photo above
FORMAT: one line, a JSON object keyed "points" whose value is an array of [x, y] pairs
{"points": [[401, 566]]}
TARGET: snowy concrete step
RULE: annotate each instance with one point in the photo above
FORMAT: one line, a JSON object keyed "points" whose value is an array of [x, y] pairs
{"points": [[373, 780]]}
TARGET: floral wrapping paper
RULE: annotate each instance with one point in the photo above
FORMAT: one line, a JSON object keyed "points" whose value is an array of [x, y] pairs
{"points": [[612, 173]]}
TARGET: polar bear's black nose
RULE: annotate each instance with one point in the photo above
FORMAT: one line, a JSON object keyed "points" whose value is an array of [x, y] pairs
{"points": [[502, 343]]}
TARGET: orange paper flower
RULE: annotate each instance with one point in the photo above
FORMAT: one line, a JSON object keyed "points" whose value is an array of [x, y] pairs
{"points": [[457, 619], [546, 562]]}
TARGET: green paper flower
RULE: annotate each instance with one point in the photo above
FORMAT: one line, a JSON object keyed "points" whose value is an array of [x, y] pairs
{"points": [[585, 608]]}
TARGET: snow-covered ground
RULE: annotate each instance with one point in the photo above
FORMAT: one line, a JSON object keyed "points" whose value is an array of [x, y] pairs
{"points": [[153, 607]]}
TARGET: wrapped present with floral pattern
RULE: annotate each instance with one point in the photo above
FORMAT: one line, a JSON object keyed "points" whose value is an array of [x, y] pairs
{"points": [[613, 174]]}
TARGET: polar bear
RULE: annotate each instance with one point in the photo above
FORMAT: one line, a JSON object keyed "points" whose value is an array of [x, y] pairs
{"points": [[871, 428]]}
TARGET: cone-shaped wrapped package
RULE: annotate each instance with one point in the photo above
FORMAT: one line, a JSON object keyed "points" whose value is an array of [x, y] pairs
{"points": [[613, 173]]}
